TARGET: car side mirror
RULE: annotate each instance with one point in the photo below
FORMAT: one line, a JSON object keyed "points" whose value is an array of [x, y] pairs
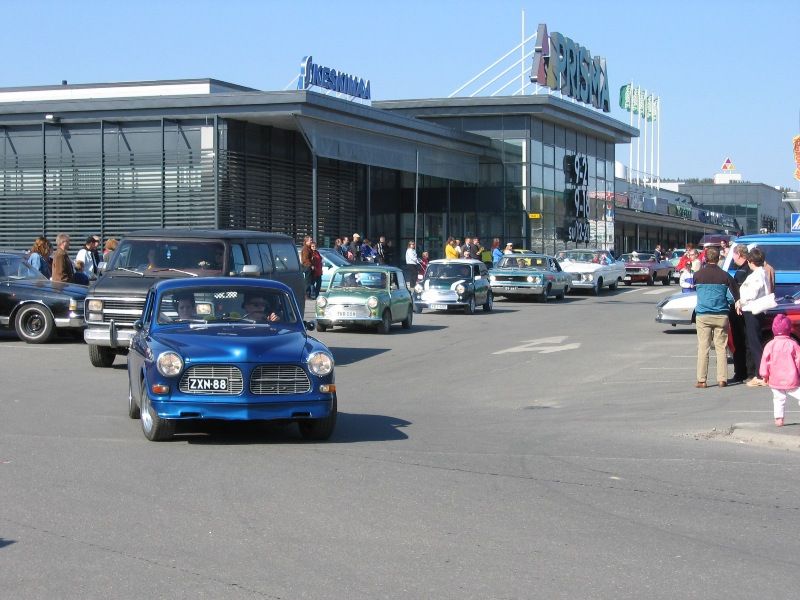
{"points": [[138, 325], [251, 270], [310, 325]]}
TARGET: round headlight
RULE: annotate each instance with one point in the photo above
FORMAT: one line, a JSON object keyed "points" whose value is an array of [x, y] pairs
{"points": [[372, 302], [169, 364], [460, 288], [418, 288], [531, 279], [492, 278], [320, 363], [322, 301]]}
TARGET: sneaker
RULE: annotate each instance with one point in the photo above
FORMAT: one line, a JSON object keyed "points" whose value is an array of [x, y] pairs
{"points": [[778, 422], [755, 382]]}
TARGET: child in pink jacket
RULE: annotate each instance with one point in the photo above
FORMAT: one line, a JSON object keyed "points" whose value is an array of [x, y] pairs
{"points": [[780, 366]]}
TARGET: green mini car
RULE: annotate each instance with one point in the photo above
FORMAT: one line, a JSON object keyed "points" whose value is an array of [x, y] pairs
{"points": [[374, 296]]}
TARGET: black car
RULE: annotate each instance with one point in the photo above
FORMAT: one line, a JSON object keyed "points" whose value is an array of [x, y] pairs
{"points": [[34, 306]]}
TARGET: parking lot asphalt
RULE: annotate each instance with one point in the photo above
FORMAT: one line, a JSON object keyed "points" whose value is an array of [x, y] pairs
{"points": [[553, 450]]}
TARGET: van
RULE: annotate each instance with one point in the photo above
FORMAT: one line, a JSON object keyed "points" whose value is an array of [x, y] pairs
{"points": [[142, 258], [782, 252]]}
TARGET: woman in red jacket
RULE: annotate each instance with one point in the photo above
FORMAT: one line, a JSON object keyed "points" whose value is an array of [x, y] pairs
{"points": [[316, 270]]}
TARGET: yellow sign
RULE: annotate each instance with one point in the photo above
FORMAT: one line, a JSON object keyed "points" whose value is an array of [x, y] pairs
{"points": [[728, 165], [796, 143], [534, 215]]}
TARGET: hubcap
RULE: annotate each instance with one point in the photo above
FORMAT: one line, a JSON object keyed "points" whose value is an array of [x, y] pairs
{"points": [[147, 418]]}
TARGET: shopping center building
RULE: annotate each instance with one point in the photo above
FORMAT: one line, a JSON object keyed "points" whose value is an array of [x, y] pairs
{"points": [[536, 170]]}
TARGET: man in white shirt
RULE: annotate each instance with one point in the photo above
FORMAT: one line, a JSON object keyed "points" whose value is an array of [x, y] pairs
{"points": [[412, 261], [87, 255]]}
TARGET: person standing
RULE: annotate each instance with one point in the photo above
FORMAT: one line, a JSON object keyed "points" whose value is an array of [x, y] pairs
{"points": [[39, 257], [412, 261], [380, 251], [509, 248], [305, 262], [497, 254], [713, 285], [753, 288], [466, 249], [111, 245], [423, 264], [316, 271], [458, 249], [355, 247], [62, 265], [780, 366], [450, 249], [740, 370], [88, 256]]}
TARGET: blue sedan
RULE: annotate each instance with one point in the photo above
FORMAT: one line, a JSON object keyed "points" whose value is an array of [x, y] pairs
{"points": [[230, 349]]}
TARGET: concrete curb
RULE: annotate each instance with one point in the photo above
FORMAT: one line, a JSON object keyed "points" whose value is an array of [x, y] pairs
{"points": [[767, 435]]}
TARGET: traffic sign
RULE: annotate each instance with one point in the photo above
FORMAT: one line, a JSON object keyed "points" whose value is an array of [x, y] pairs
{"points": [[795, 222]]}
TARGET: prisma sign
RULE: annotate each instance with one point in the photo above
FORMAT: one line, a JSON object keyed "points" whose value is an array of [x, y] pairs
{"points": [[562, 65]]}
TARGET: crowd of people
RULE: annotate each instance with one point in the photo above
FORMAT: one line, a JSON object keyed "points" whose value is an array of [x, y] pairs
{"points": [[741, 324], [57, 265]]}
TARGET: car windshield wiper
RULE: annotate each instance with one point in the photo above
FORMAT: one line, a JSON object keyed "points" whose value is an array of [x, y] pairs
{"points": [[128, 270], [175, 271]]}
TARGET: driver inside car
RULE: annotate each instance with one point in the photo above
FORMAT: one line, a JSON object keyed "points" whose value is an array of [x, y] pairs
{"points": [[256, 308], [186, 307]]}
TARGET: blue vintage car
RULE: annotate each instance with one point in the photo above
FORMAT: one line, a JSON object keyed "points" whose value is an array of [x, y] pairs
{"points": [[230, 349]]}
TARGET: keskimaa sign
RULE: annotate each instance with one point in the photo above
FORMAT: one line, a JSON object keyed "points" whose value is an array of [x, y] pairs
{"points": [[562, 65], [314, 75]]}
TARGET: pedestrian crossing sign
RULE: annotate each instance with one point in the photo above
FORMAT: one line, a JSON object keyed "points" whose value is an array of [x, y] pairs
{"points": [[795, 222]]}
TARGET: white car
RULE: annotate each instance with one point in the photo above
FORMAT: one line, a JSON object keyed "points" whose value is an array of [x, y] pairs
{"points": [[592, 269], [677, 309]]}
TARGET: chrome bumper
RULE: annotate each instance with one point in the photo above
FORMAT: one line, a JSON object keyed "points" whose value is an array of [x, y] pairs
{"points": [[108, 336]]}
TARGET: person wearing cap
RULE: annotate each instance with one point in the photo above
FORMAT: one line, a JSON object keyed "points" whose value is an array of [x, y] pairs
{"points": [[355, 247], [780, 366], [88, 256], [509, 248]]}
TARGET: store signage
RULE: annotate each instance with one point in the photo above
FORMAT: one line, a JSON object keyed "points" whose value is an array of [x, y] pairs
{"points": [[727, 166], [562, 65], [314, 75], [796, 145], [576, 169]]}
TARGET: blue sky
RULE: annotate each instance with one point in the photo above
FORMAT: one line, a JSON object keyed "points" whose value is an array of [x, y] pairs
{"points": [[727, 72]]}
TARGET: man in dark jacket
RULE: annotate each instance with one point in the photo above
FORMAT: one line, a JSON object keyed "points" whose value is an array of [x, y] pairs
{"points": [[62, 265], [740, 358], [713, 285]]}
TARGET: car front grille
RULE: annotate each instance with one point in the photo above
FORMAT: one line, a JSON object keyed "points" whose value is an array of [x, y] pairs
{"points": [[122, 311], [268, 380], [510, 277], [231, 373]]}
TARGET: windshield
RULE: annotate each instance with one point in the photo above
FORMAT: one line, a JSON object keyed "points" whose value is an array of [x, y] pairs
{"points": [[636, 257], [195, 257], [230, 303], [13, 266], [588, 256], [522, 262], [358, 279], [333, 257], [442, 271]]}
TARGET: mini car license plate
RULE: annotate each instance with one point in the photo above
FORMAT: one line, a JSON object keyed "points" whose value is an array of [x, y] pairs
{"points": [[510, 288], [203, 384], [438, 306], [343, 314]]}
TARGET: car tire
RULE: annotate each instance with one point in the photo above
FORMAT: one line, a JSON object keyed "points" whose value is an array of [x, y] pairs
{"points": [[563, 293], [385, 326], [614, 285], [545, 294], [489, 304], [469, 309], [101, 356], [34, 324], [321, 327], [154, 427], [133, 407], [318, 430], [409, 320], [598, 285], [667, 280]]}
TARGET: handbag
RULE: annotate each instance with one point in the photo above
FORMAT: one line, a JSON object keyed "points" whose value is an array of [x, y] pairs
{"points": [[759, 305]]}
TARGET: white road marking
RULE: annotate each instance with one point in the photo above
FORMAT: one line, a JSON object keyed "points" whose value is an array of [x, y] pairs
{"points": [[542, 346], [667, 368], [665, 290]]}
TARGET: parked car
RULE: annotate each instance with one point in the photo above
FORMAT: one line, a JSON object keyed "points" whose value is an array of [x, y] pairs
{"points": [[529, 275], [461, 284], [677, 309], [592, 269], [35, 307], [782, 252], [143, 258], [642, 267], [331, 260], [374, 296], [229, 349]]}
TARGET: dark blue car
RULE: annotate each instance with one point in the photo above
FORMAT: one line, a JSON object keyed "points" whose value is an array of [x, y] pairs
{"points": [[229, 349]]}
